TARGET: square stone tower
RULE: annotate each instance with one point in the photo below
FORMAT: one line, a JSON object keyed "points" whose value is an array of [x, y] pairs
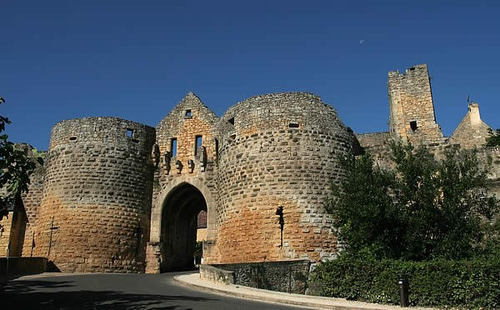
{"points": [[412, 116]]}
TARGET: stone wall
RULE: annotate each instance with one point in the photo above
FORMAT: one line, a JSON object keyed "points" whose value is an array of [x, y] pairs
{"points": [[17, 232], [200, 122], [277, 150], [5, 230], [13, 229], [96, 199], [489, 157], [21, 266], [20, 231], [216, 275], [371, 140], [31, 202], [188, 165], [410, 100], [283, 276], [472, 131]]}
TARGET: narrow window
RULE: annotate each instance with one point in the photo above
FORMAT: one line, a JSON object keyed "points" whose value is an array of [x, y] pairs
{"points": [[216, 148], [188, 114], [202, 219], [130, 133], [72, 138], [293, 125], [198, 143], [413, 125], [231, 120], [173, 147]]}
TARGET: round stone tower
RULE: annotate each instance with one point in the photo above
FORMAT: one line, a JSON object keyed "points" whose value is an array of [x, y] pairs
{"points": [[94, 214], [277, 150]]}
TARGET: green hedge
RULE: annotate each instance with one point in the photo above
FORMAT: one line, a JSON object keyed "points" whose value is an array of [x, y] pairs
{"points": [[470, 283]]}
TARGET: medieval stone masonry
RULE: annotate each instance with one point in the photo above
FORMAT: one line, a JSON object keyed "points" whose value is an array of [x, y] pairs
{"points": [[118, 196], [411, 107], [94, 211]]}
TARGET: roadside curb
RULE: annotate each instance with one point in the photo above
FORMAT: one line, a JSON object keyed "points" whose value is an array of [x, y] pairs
{"points": [[313, 302]]}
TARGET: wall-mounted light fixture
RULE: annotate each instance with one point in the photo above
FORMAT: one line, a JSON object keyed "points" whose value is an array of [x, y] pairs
{"points": [[279, 212]]}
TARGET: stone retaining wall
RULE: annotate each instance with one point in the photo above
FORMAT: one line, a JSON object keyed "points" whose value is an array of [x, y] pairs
{"points": [[217, 275], [283, 276], [20, 266]]}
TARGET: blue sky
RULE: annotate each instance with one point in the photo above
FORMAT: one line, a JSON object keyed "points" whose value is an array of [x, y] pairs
{"points": [[137, 59]]}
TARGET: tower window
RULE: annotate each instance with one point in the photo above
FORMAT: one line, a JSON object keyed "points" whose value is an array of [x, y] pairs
{"points": [[130, 133], [413, 125], [216, 148], [293, 125], [173, 147], [188, 114], [231, 121], [198, 143]]}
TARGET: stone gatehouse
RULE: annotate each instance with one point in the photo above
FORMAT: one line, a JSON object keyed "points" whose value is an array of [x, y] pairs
{"points": [[118, 196]]}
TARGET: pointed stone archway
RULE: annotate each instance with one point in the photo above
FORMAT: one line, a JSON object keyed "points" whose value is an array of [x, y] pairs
{"points": [[178, 229], [173, 224]]}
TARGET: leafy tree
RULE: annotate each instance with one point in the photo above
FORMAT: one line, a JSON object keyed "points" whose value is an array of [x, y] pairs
{"points": [[15, 168], [363, 211], [494, 139], [421, 209]]}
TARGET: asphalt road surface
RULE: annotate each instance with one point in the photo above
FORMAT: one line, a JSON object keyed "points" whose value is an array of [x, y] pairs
{"points": [[116, 291]]}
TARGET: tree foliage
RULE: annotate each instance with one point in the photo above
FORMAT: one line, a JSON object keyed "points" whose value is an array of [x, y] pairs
{"points": [[421, 209], [15, 168], [494, 139]]}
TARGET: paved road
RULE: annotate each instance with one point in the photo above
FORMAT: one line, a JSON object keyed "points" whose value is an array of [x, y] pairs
{"points": [[115, 291]]}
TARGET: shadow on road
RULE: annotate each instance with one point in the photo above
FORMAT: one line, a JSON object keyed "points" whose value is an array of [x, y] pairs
{"points": [[58, 295]]}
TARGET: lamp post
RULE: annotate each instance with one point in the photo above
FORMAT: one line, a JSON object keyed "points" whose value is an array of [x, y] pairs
{"points": [[403, 290]]}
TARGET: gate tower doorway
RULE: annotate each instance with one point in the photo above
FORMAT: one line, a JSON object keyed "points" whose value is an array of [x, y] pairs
{"points": [[179, 226]]}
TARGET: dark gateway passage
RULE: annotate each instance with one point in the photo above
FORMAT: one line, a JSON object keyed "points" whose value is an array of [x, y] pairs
{"points": [[179, 224]]}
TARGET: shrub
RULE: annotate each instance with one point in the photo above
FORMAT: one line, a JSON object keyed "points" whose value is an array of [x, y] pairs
{"points": [[470, 283]]}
